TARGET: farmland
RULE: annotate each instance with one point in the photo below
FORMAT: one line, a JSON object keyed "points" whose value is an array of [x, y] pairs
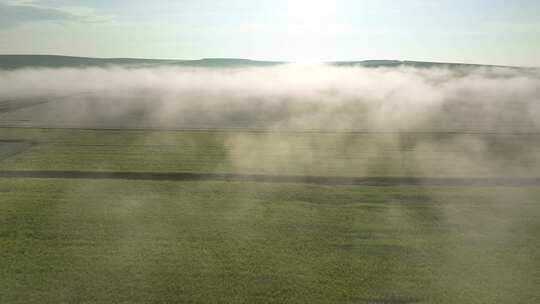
{"points": [[80, 240], [145, 242], [280, 153], [400, 183]]}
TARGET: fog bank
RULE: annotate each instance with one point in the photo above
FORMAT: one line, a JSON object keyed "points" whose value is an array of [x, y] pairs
{"points": [[291, 97], [462, 115]]}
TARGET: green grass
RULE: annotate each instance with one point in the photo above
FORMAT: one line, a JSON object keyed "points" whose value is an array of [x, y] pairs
{"points": [[278, 153], [84, 241], [11, 148], [113, 241]]}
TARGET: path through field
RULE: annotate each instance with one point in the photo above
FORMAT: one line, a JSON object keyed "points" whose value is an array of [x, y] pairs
{"points": [[320, 180]]}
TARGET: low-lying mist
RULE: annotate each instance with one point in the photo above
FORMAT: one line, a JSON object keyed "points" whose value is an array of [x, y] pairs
{"points": [[284, 97], [466, 120]]}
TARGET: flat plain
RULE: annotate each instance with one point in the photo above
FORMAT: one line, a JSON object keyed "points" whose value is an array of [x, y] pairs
{"points": [[128, 241], [278, 185]]}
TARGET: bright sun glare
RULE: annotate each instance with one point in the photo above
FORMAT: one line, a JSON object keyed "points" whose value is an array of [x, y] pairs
{"points": [[310, 10], [309, 18]]}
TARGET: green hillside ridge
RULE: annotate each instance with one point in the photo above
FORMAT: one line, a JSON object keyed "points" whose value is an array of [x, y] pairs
{"points": [[55, 61]]}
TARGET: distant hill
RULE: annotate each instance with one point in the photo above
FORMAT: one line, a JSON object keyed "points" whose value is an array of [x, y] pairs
{"points": [[55, 61], [416, 64]]}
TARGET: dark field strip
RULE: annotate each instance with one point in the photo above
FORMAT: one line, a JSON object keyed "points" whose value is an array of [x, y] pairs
{"points": [[222, 129], [9, 147], [320, 180], [12, 105], [17, 104]]}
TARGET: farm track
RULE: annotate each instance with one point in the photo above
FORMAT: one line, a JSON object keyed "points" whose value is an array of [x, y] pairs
{"points": [[319, 180], [220, 129]]}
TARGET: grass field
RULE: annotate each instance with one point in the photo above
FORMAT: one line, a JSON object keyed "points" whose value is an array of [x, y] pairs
{"points": [[206, 242], [122, 241], [10, 148], [326, 154]]}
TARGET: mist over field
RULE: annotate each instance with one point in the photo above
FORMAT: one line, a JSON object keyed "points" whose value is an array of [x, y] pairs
{"points": [[375, 152], [466, 109], [301, 121], [289, 97], [297, 120]]}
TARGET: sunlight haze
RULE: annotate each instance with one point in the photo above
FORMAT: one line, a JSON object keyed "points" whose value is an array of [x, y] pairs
{"points": [[301, 31]]}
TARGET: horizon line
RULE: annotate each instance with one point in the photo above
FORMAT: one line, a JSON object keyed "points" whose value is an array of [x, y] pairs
{"points": [[273, 61]]}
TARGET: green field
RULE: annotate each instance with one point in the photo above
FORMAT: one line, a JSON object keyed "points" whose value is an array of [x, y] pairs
{"points": [[173, 242], [307, 153], [122, 241]]}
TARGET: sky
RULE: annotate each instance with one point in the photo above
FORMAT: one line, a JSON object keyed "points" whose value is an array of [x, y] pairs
{"points": [[483, 31]]}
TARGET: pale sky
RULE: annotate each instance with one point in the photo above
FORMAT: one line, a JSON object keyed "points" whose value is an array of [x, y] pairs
{"points": [[482, 31]]}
